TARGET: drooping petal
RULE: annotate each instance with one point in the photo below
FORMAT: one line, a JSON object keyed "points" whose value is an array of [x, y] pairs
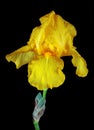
{"points": [[21, 56], [79, 62], [45, 72]]}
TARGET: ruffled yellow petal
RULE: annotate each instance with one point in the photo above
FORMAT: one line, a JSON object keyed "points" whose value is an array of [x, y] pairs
{"points": [[54, 35], [45, 72], [80, 63], [21, 56]]}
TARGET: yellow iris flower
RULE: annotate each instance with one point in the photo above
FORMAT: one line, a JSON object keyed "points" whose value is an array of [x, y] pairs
{"points": [[48, 42]]}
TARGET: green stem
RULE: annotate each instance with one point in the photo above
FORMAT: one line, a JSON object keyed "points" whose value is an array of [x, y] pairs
{"points": [[44, 93], [36, 125]]}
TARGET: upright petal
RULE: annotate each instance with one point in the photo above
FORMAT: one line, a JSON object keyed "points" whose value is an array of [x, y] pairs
{"points": [[54, 35], [21, 56], [45, 72]]}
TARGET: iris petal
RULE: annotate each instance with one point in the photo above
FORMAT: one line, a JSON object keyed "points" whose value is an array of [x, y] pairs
{"points": [[54, 34], [21, 56], [45, 72], [79, 62]]}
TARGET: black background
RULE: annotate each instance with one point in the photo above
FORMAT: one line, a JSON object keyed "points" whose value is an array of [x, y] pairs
{"points": [[68, 106]]}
